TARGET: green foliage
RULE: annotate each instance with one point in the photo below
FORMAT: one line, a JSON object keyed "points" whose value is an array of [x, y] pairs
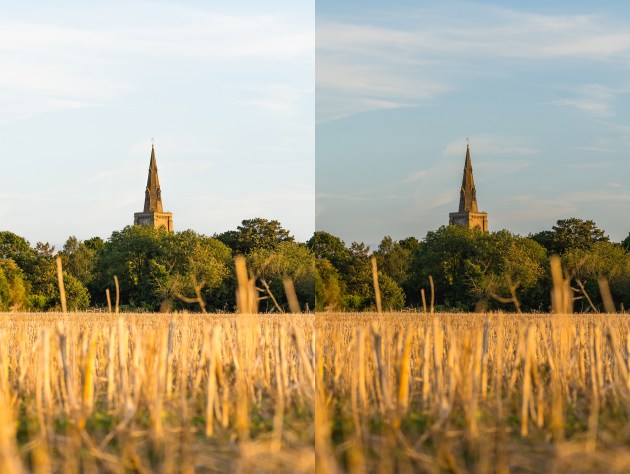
{"points": [[77, 296], [570, 234], [254, 234], [17, 249], [186, 270], [12, 286], [345, 279], [328, 286], [79, 258], [395, 259], [469, 266], [327, 246], [39, 272], [506, 263], [602, 260], [153, 265], [287, 260], [197, 264], [392, 295], [134, 256]]}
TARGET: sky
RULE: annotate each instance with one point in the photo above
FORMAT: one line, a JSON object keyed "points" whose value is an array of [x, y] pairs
{"points": [[542, 91], [225, 90]]}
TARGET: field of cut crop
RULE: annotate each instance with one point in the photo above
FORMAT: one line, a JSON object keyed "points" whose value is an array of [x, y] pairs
{"points": [[473, 393], [156, 393], [396, 392]]}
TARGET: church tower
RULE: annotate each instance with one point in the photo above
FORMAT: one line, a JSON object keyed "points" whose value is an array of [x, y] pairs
{"points": [[468, 214], [153, 214]]}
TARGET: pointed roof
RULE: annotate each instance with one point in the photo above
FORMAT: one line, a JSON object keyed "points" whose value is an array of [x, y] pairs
{"points": [[153, 194], [468, 193]]}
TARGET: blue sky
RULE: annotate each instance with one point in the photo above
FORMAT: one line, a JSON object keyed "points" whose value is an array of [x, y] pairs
{"points": [[226, 90], [542, 91]]}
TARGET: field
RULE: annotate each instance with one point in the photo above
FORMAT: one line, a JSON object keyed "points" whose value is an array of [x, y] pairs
{"points": [[404, 392], [156, 393], [396, 392]]}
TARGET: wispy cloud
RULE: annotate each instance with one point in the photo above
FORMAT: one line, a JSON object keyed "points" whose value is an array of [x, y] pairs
{"points": [[597, 99], [378, 67], [57, 64]]}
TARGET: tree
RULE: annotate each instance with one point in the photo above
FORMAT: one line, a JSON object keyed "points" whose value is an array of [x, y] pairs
{"points": [[470, 267], [18, 249], [40, 273], [79, 258], [288, 260], [505, 264], [443, 256], [328, 287], [394, 260], [570, 234], [153, 265], [197, 266], [586, 267], [327, 246], [254, 234], [77, 296], [12, 286], [392, 296], [134, 256]]}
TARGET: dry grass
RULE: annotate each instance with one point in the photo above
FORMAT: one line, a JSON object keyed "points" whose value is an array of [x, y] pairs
{"points": [[473, 393], [156, 393]]}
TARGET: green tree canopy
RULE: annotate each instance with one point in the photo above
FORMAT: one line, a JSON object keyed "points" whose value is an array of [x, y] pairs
{"points": [[469, 266], [327, 246], [288, 260], [394, 259], [328, 286], [12, 286], [255, 233], [79, 258], [570, 234], [153, 265]]}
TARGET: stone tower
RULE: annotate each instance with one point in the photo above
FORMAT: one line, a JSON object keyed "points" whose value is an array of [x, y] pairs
{"points": [[468, 214], [153, 214]]}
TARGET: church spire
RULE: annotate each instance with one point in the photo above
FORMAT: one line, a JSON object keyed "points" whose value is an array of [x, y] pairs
{"points": [[468, 214], [468, 193], [153, 214], [153, 194]]}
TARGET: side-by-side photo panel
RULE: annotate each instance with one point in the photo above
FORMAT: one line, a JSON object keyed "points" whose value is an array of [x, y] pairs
{"points": [[157, 292], [472, 250]]}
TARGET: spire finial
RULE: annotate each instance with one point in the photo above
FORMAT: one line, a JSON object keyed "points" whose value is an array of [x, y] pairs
{"points": [[467, 142]]}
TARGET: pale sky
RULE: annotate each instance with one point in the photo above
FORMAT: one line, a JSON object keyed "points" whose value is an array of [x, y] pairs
{"points": [[226, 89], [542, 89]]}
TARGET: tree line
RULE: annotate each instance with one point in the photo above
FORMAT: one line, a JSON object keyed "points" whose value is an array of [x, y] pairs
{"points": [[470, 270], [156, 270]]}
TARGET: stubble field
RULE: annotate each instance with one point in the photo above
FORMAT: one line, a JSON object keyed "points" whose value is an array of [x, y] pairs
{"points": [[156, 393], [397, 392], [473, 393]]}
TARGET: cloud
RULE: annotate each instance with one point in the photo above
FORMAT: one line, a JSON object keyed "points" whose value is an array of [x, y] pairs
{"points": [[348, 88], [56, 63], [597, 99], [411, 64], [279, 98]]}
